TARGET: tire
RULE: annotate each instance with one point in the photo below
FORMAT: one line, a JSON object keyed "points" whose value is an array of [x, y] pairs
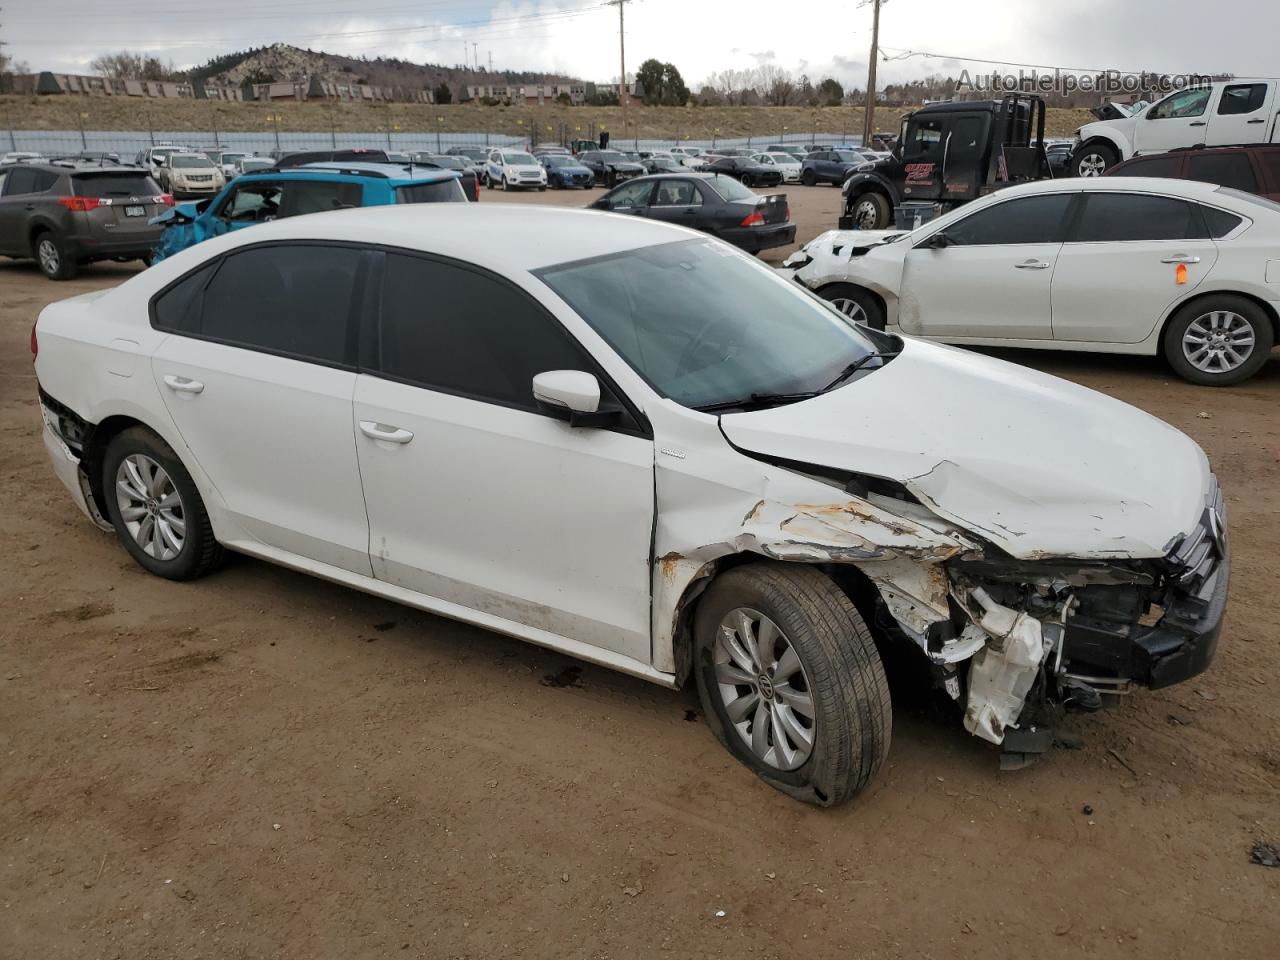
{"points": [[747, 181], [1223, 323], [870, 210], [542, 188], [836, 671], [198, 552], [1093, 159], [52, 257], [488, 182], [856, 303], [506, 187], [808, 178]]}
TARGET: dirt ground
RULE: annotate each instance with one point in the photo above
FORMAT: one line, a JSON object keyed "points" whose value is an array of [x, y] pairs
{"points": [[687, 123], [262, 765]]}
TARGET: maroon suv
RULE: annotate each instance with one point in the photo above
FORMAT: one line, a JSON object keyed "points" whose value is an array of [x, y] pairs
{"points": [[1253, 169]]}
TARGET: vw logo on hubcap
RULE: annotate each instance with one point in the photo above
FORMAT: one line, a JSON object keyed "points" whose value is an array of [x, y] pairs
{"points": [[766, 686]]}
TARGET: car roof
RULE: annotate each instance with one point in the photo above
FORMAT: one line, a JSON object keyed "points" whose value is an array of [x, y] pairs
{"points": [[532, 236], [382, 171], [1191, 189]]}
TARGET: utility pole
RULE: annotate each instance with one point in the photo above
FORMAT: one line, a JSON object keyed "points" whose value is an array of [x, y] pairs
{"points": [[869, 118], [491, 61], [475, 53], [624, 92]]}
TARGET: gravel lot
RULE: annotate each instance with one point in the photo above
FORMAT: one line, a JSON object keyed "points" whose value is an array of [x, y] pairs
{"points": [[262, 765]]}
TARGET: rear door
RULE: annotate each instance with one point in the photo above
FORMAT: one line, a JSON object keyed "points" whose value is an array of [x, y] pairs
{"points": [[1128, 258], [16, 185], [259, 201], [994, 277], [631, 198], [258, 375], [1243, 114]]}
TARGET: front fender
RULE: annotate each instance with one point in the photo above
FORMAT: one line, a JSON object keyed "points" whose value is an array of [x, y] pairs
{"points": [[862, 182], [1117, 133]]}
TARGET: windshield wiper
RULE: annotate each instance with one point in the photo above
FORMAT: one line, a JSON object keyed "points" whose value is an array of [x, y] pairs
{"points": [[857, 365], [758, 399]]}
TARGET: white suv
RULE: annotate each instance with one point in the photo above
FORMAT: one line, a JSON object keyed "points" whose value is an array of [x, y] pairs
{"points": [[514, 169], [634, 444]]}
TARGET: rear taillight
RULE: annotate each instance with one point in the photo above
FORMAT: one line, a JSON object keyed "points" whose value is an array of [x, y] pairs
{"points": [[35, 343], [166, 199], [81, 204], [754, 219]]}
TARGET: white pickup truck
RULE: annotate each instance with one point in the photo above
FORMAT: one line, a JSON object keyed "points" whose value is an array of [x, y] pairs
{"points": [[1224, 113]]}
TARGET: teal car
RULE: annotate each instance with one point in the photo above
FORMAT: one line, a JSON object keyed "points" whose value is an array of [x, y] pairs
{"points": [[274, 194]]}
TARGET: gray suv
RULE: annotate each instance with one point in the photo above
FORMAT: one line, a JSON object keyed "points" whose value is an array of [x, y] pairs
{"points": [[65, 213]]}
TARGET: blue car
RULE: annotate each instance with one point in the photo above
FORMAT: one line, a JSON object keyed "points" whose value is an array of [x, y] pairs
{"points": [[564, 172], [274, 194]]}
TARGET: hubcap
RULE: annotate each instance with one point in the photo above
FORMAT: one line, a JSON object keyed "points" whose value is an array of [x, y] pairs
{"points": [[851, 309], [1091, 165], [150, 507], [47, 251], [865, 214], [764, 689], [1218, 342]]}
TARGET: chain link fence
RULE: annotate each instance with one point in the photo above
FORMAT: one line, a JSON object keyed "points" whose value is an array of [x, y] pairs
{"points": [[127, 144]]}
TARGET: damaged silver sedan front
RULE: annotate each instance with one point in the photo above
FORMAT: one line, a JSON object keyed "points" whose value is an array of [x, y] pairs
{"points": [[631, 443]]}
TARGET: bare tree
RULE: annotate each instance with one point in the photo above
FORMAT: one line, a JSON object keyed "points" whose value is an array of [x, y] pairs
{"points": [[775, 84], [127, 65]]}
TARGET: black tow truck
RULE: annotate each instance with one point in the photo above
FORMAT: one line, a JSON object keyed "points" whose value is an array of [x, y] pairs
{"points": [[949, 153]]}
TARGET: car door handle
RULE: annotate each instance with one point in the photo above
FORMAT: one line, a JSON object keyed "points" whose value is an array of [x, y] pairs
{"points": [[1032, 265], [182, 384], [1258, 120], [1196, 123], [1181, 258], [381, 431]]}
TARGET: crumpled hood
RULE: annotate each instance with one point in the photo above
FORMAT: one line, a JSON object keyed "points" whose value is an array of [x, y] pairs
{"points": [[1037, 465]]}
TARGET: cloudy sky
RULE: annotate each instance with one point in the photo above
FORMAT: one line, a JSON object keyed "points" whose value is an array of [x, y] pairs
{"points": [[580, 37]]}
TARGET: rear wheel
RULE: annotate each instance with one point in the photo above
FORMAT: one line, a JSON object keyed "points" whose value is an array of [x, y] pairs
{"points": [[870, 211], [855, 303], [1219, 340], [1093, 160], [790, 680], [155, 508], [52, 256]]}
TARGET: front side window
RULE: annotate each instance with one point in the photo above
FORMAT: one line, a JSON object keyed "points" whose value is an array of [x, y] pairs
{"points": [[631, 195], [253, 203], [923, 136], [519, 160], [1187, 103], [1242, 98], [1025, 220], [451, 328], [289, 299], [1224, 169], [706, 325], [1122, 217]]}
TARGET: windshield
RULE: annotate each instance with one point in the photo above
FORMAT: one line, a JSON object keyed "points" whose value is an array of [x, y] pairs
{"points": [[706, 325], [519, 160], [248, 165], [849, 156], [612, 156], [180, 162], [555, 160], [729, 188]]}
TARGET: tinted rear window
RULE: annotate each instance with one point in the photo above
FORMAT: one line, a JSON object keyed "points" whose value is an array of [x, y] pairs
{"points": [[445, 191], [1224, 169], [114, 185], [1119, 217], [1161, 166], [729, 188]]}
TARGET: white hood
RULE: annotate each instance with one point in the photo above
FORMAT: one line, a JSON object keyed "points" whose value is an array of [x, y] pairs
{"points": [[1039, 466]]}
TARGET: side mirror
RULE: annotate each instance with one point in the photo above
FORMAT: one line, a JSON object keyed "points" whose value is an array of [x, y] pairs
{"points": [[572, 395], [938, 241]]}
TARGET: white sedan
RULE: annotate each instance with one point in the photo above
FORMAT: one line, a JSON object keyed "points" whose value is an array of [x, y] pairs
{"points": [[784, 163], [626, 441], [1112, 265]]}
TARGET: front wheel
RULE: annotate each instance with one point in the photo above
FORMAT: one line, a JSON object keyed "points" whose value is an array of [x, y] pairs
{"points": [[1218, 341], [790, 680], [855, 303], [542, 188], [808, 178], [870, 211], [1093, 160], [155, 508]]}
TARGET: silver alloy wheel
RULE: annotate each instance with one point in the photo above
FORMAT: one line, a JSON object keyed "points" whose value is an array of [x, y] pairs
{"points": [[1218, 342], [1091, 165], [150, 507], [865, 214], [850, 308], [50, 259], [764, 689]]}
